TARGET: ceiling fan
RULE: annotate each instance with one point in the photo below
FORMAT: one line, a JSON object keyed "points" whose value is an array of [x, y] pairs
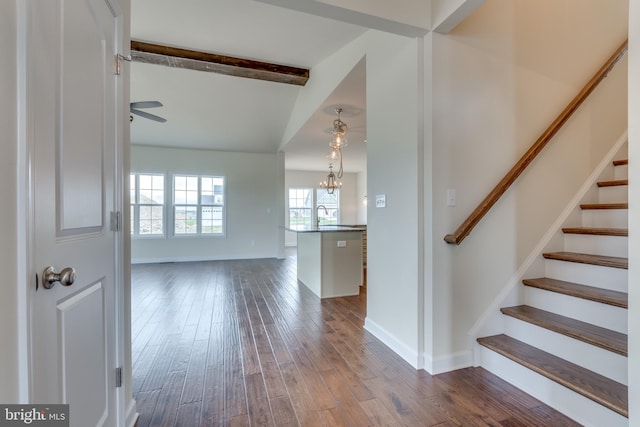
{"points": [[134, 108]]}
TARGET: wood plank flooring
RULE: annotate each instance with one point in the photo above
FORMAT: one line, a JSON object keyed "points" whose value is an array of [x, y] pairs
{"points": [[241, 343]]}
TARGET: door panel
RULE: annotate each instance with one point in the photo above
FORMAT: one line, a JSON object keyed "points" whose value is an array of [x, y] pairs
{"points": [[80, 116], [81, 318], [71, 92]]}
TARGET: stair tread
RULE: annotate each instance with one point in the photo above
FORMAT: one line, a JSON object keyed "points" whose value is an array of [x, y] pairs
{"points": [[587, 206], [597, 231], [621, 162], [604, 296], [602, 260], [613, 183], [596, 387], [586, 332]]}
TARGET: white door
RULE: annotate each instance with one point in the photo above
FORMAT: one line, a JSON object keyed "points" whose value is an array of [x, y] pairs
{"points": [[71, 113]]}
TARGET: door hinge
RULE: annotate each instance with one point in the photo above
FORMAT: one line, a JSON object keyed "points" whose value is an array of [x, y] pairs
{"points": [[116, 221], [119, 377], [118, 64]]}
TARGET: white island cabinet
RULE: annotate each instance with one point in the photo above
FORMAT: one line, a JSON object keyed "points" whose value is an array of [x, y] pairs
{"points": [[330, 260]]}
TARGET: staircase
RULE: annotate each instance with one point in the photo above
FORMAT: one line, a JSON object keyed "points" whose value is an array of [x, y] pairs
{"points": [[567, 344]]}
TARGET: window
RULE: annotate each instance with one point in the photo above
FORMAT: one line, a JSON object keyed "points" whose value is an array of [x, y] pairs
{"points": [[307, 206], [147, 204], [198, 205], [300, 204], [331, 212]]}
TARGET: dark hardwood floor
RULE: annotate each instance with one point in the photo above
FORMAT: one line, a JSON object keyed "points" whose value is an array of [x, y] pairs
{"points": [[241, 343]]}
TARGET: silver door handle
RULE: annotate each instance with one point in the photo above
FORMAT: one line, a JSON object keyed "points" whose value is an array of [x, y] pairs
{"points": [[66, 277]]}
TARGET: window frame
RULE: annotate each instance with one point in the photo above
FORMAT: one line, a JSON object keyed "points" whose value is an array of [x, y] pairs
{"points": [[314, 206], [135, 205], [199, 205], [329, 208], [311, 192]]}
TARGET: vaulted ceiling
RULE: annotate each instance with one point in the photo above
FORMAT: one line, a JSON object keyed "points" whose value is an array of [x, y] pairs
{"points": [[222, 112], [206, 110]]}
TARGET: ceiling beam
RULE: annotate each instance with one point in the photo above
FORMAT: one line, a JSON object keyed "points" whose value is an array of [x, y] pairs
{"points": [[150, 53]]}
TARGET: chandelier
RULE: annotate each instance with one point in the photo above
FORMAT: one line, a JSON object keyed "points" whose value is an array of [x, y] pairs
{"points": [[338, 141], [331, 183]]}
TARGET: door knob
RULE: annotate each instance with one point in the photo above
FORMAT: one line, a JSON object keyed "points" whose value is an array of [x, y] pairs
{"points": [[66, 277]]}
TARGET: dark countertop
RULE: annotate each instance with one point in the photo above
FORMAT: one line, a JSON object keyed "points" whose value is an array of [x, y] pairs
{"points": [[328, 228]]}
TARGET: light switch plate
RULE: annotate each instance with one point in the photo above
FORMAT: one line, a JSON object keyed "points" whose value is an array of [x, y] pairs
{"points": [[342, 243], [451, 197], [381, 200]]}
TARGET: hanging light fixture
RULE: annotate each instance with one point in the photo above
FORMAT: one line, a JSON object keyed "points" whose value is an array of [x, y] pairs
{"points": [[331, 183], [338, 140]]}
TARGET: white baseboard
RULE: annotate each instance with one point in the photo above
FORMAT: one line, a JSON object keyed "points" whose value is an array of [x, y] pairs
{"points": [[433, 366], [410, 355], [449, 362]]}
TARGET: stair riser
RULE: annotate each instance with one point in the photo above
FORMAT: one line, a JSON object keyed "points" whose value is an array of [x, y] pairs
{"points": [[614, 194], [603, 315], [604, 362], [575, 406], [621, 172], [597, 245], [605, 218], [585, 274]]}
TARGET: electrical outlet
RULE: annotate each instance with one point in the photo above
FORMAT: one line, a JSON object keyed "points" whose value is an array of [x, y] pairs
{"points": [[342, 243], [381, 200]]}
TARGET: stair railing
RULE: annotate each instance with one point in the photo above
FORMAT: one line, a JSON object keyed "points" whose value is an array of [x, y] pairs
{"points": [[481, 210]]}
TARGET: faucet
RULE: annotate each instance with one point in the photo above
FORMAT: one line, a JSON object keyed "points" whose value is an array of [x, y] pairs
{"points": [[326, 212]]}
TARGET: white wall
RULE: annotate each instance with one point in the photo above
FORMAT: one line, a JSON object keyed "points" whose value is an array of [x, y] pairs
{"points": [[634, 211], [499, 79], [394, 282], [252, 196], [362, 198], [394, 277], [9, 245]]}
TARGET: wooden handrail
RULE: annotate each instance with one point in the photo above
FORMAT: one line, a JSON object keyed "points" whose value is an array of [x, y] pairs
{"points": [[495, 194]]}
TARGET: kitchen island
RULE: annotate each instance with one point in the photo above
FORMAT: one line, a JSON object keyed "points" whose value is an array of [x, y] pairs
{"points": [[330, 260]]}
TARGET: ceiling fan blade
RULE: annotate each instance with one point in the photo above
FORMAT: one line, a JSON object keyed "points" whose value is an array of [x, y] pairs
{"points": [[145, 104], [148, 116]]}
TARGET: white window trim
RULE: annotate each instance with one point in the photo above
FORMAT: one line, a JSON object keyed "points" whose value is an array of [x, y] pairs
{"points": [[135, 232], [172, 210], [314, 205]]}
